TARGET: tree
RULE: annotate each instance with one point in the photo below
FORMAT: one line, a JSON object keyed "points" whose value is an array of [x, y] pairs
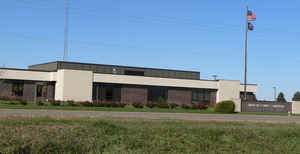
{"points": [[296, 96], [281, 98]]}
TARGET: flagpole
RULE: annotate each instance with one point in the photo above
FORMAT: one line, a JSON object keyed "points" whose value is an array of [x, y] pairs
{"points": [[246, 54]]}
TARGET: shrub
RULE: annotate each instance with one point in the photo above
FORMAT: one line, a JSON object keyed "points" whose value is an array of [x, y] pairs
{"points": [[40, 103], [173, 105], [151, 105], [162, 103], [225, 107], [200, 106], [108, 104], [86, 103], [185, 106], [23, 102], [296, 96], [138, 105], [122, 105], [72, 103], [55, 103], [6, 98]]}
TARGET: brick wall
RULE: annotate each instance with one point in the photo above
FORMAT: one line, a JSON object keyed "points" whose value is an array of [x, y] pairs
{"points": [[179, 96], [131, 94], [5, 88], [213, 98], [28, 91]]}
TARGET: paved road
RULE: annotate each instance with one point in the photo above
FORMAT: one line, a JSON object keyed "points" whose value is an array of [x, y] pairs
{"points": [[179, 116]]}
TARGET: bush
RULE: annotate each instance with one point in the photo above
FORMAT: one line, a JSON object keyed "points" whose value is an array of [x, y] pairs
{"points": [[185, 106], [6, 98], [225, 107], [86, 104], [138, 105], [200, 106], [55, 103], [162, 103], [72, 103], [21, 101], [173, 105], [40, 103], [151, 105], [109, 104]]}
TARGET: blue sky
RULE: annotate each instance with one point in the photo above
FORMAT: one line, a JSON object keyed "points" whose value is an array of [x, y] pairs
{"points": [[205, 36]]}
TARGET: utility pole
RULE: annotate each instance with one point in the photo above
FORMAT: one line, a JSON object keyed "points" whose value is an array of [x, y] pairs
{"points": [[275, 93], [246, 54], [66, 43], [215, 77]]}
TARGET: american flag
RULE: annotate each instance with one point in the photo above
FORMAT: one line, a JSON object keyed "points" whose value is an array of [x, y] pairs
{"points": [[251, 16]]}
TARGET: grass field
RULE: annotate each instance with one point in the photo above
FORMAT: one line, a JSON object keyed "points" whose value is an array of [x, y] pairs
{"points": [[45, 135]]}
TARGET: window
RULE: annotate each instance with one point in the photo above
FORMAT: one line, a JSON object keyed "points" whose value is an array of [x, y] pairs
{"points": [[41, 91], [135, 73], [201, 95], [107, 92], [17, 88], [154, 93]]}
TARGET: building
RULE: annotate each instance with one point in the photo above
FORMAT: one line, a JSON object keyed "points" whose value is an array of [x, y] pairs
{"points": [[96, 82]]}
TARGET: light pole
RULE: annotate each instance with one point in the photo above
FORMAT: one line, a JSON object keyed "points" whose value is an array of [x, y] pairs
{"points": [[275, 93], [215, 77]]}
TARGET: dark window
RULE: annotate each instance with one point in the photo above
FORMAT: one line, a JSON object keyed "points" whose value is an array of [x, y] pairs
{"points": [[41, 91], [107, 92], [154, 93], [17, 88], [202, 95], [136, 73]]}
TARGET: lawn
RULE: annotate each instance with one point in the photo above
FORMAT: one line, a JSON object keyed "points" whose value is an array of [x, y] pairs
{"points": [[45, 135], [31, 106]]}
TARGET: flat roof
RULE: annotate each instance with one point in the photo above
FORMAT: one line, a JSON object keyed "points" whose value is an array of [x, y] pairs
{"points": [[134, 67]]}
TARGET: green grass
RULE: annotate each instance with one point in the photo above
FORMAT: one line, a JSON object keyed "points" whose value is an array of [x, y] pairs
{"points": [[45, 135]]}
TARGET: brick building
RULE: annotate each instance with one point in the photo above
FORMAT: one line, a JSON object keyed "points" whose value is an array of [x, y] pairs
{"points": [[96, 82]]}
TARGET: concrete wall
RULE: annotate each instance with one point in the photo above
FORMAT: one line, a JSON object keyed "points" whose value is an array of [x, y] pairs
{"points": [[229, 90], [27, 75], [296, 107], [250, 88], [151, 81], [74, 85]]}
